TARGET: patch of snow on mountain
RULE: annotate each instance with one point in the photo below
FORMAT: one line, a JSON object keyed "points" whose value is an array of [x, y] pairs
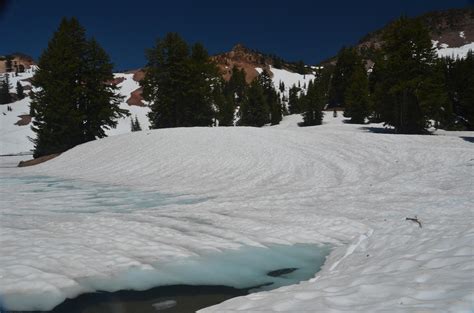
{"points": [[444, 50]]}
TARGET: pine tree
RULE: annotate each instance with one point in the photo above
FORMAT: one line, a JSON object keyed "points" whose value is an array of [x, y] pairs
{"points": [[254, 110], [236, 86], [178, 84], [74, 103], [294, 101], [356, 97], [224, 103], [460, 79], [20, 91], [5, 96], [272, 98], [313, 103], [409, 92], [346, 60]]}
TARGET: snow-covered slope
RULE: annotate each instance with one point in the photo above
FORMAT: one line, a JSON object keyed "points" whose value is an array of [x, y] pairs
{"points": [[444, 50], [337, 183], [14, 138]]}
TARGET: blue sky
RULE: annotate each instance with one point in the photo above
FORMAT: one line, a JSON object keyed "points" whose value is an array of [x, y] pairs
{"points": [[304, 29]]}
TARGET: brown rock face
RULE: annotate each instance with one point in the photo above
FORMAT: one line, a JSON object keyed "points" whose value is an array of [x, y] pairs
{"points": [[242, 58], [136, 98], [19, 62], [24, 120]]}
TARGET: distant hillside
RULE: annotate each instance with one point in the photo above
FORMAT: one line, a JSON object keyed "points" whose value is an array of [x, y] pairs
{"points": [[249, 59], [15, 62], [448, 29]]}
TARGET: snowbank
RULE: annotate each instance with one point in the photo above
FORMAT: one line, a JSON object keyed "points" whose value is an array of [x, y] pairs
{"points": [[337, 183], [456, 52]]}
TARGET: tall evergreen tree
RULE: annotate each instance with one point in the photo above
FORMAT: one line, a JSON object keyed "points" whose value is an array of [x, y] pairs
{"points": [[178, 84], [272, 98], [294, 100], [356, 97], [313, 103], [409, 92], [460, 77], [347, 58], [20, 91], [235, 88], [225, 105], [254, 110], [74, 102], [5, 96]]}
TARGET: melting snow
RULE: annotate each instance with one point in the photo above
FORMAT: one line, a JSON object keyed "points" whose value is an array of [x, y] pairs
{"points": [[337, 183]]}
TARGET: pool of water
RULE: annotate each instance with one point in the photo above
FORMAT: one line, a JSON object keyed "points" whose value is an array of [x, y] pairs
{"points": [[185, 284]]}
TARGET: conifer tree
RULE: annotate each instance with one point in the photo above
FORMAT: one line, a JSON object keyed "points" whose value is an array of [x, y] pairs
{"points": [[178, 84], [272, 98], [313, 103], [5, 96], [254, 110], [293, 100], [236, 86], [409, 92], [20, 91], [356, 97], [74, 102], [346, 60], [224, 103]]}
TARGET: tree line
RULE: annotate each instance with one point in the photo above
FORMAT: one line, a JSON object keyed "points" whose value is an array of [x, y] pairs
{"points": [[74, 100], [408, 87]]}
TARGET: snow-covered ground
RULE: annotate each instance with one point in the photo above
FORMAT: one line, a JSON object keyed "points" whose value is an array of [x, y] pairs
{"points": [[453, 52], [341, 184], [14, 138]]}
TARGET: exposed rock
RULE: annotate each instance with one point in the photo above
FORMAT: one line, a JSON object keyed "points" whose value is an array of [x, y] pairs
{"points": [[136, 98], [24, 120], [37, 160]]}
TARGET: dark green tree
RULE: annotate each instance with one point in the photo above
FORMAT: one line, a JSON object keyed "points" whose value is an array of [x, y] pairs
{"points": [[356, 97], [273, 100], [254, 110], [460, 81], [313, 103], [347, 58], [294, 100], [409, 91], [236, 86], [224, 103], [163, 85], [5, 96], [20, 91], [74, 102], [178, 84]]}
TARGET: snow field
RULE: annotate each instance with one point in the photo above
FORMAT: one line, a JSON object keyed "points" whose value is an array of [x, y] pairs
{"points": [[337, 183]]}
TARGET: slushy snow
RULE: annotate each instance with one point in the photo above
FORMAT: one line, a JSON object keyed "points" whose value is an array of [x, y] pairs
{"points": [[338, 184]]}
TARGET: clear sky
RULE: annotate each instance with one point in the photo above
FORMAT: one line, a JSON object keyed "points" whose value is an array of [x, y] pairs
{"points": [[304, 29]]}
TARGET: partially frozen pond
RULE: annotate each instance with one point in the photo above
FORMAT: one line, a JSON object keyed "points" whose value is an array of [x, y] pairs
{"points": [[38, 205]]}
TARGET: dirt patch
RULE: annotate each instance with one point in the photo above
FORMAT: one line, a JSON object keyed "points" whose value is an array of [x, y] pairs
{"points": [[116, 81], [37, 160], [139, 75], [24, 120], [136, 98]]}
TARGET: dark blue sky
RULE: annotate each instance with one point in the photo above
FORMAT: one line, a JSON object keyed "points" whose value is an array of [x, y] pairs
{"points": [[304, 29]]}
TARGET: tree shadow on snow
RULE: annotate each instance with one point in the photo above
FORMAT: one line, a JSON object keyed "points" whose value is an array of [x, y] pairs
{"points": [[468, 139], [378, 130]]}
